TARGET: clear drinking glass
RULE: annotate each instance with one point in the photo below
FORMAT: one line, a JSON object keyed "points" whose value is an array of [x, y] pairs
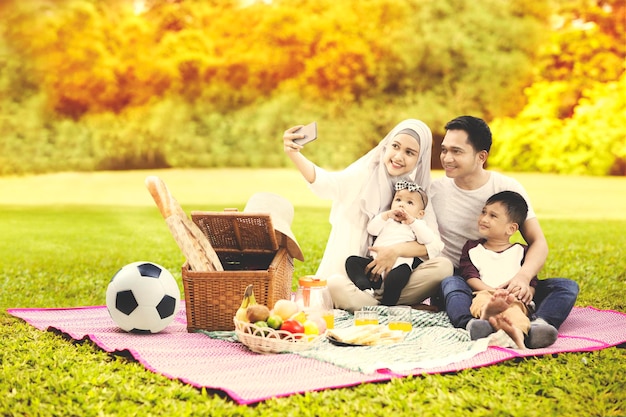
{"points": [[364, 317], [400, 318]]}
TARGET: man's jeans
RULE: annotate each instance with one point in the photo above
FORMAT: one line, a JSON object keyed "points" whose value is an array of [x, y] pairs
{"points": [[554, 299]]}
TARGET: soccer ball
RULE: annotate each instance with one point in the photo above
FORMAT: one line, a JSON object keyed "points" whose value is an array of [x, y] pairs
{"points": [[143, 297]]}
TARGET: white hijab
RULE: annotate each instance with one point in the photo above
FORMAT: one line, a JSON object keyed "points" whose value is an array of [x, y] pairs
{"points": [[377, 192]]}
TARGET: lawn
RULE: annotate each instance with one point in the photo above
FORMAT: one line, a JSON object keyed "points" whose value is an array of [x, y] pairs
{"points": [[65, 235]]}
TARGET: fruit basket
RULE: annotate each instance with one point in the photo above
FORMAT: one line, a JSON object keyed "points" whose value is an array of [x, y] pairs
{"points": [[267, 340]]}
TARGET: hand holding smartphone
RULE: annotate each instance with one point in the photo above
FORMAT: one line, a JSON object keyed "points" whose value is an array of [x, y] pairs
{"points": [[310, 134]]}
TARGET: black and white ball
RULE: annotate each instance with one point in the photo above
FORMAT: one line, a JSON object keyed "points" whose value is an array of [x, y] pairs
{"points": [[143, 297]]}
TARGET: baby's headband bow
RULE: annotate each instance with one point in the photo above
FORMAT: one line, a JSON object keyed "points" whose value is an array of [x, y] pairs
{"points": [[404, 184]]}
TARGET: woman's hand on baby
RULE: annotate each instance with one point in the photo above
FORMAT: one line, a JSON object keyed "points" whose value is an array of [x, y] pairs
{"points": [[288, 144]]}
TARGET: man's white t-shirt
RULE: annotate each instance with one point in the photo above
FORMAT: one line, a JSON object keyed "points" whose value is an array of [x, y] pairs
{"points": [[457, 210]]}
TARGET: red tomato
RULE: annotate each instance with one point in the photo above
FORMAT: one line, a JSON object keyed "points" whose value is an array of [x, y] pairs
{"points": [[292, 326]]}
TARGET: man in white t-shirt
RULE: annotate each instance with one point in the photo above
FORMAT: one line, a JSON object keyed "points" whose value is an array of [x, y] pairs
{"points": [[458, 199]]}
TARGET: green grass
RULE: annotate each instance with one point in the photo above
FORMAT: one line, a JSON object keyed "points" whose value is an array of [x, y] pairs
{"points": [[65, 235]]}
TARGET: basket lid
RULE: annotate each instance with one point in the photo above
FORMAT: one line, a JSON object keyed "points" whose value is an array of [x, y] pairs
{"points": [[237, 232], [281, 211]]}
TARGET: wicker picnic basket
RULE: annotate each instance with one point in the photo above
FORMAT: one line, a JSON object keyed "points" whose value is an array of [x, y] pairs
{"points": [[250, 254]]}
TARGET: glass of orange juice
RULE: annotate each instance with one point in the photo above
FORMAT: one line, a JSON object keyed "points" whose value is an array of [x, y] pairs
{"points": [[329, 318], [364, 317], [400, 318]]}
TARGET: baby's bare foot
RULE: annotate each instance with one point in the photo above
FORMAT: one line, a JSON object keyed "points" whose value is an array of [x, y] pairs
{"points": [[500, 301], [500, 322], [506, 295]]}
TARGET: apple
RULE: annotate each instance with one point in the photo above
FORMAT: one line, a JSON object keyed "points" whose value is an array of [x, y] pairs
{"points": [[292, 326]]}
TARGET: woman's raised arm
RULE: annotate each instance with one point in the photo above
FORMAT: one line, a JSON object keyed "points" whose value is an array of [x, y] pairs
{"points": [[292, 149]]}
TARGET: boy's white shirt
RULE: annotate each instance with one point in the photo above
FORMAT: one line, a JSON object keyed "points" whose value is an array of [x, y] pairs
{"points": [[496, 268]]}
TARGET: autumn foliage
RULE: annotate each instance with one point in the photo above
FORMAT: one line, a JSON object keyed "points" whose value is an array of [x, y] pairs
{"points": [[118, 84]]}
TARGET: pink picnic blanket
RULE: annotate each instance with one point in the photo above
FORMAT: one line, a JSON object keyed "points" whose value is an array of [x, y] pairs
{"points": [[227, 366]]}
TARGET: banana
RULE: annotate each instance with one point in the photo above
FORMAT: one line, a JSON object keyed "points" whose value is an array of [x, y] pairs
{"points": [[248, 300]]}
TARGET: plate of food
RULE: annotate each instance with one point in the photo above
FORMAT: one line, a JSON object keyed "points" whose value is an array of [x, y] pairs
{"points": [[338, 342], [368, 335]]}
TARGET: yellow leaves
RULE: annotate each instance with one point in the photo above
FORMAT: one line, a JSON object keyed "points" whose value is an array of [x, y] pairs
{"points": [[592, 141], [95, 57], [107, 57]]}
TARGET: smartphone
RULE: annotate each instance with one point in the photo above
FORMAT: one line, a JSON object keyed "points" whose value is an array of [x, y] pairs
{"points": [[310, 134]]}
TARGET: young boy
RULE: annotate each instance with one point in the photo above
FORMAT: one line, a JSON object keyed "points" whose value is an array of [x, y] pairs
{"points": [[491, 261], [402, 223]]}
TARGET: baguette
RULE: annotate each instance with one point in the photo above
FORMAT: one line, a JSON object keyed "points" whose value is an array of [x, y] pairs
{"points": [[194, 245]]}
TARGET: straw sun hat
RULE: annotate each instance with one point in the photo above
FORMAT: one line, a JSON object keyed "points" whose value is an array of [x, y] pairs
{"points": [[281, 213]]}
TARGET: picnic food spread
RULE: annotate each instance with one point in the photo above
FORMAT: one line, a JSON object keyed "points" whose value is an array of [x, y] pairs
{"points": [[288, 328], [367, 335], [284, 328], [285, 316]]}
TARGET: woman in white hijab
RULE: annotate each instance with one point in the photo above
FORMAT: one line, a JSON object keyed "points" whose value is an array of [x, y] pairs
{"points": [[361, 191]]}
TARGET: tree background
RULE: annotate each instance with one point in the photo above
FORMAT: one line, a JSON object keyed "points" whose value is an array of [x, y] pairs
{"points": [[128, 84]]}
